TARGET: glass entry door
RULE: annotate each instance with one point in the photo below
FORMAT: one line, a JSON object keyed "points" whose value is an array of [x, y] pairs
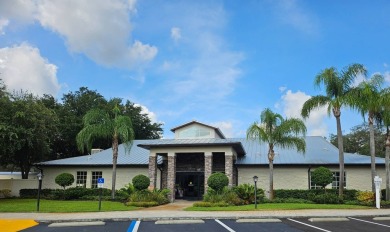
{"points": [[189, 185]]}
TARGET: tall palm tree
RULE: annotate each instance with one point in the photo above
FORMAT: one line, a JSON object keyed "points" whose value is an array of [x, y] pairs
{"points": [[101, 124], [337, 86], [386, 120], [368, 100], [277, 131]]}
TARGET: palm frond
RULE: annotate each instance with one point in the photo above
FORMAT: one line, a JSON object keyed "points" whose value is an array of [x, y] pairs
{"points": [[125, 131], [314, 102]]}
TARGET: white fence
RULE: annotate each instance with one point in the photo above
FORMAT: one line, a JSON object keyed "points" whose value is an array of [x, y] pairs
{"points": [[15, 185]]}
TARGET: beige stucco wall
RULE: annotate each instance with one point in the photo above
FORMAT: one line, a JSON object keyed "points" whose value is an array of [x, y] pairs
{"points": [[195, 125], [15, 185], [124, 175], [297, 177]]}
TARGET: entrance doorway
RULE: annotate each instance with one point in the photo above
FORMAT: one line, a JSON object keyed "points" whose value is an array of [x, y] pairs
{"points": [[189, 185]]}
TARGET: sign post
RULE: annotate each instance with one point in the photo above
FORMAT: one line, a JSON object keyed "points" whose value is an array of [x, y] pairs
{"points": [[100, 184], [378, 182]]}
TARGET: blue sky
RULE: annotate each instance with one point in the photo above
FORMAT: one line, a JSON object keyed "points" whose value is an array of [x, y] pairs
{"points": [[218, 62]]}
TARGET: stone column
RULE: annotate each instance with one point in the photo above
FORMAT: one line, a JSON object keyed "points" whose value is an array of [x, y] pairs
{"points": [[152, 170], [208, 168], [164, 172], [171, 175], [229, 168]]}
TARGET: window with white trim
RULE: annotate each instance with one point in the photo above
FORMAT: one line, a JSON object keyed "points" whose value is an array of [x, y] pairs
{"points": [[95, 176], [81, 179], [335, 182]]}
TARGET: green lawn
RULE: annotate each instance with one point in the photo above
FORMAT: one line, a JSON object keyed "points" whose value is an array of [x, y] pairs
{"points": [[54, 206], [277, 206]]}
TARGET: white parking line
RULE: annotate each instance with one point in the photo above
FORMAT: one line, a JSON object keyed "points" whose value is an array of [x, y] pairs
{"points": [[226, 227], [369, 222], [315, 227]]}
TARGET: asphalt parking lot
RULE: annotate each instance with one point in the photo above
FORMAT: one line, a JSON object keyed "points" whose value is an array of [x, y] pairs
{"points": [[219, 225]]}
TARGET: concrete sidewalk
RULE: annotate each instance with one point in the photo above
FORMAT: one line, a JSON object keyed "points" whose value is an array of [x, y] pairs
{"points": [[179, 214]]}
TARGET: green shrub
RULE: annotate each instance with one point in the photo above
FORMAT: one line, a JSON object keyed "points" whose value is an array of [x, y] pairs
{"points": [[64, 179], [141, 182], [309, 194], [209, 204], [5, 193], [159, 196], [291, 200], [126, 191], [218, 181], [226, 196], [366, 197], [33, 193], [246, 192], [142, 204], [327, 198], [322, 176]]}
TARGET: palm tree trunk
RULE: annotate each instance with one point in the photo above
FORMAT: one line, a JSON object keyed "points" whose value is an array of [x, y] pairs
{"points": [[341, 153], [387, 166], [372, 150], [114, 161], [271, 155]]}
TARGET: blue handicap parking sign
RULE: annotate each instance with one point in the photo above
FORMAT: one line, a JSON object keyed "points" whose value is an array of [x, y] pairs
{"points": [[100, 180]]}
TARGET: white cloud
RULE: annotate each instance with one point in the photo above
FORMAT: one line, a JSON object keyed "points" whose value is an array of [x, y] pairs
{"points": [[175, 34], [145, 110], [23, 67], [101, 30], [292, 105], [359, 79], [387, 76], [226, 127], [20, 11], [282, 88]]}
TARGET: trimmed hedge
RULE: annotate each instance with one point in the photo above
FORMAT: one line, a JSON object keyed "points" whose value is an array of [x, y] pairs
{"points": [[143, 204], [141, 182], [309, 194], [218, 181], [64, 179]]}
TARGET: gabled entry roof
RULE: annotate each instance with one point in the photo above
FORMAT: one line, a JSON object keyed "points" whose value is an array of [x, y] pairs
{"points": [[216, 129], [236, 144]]}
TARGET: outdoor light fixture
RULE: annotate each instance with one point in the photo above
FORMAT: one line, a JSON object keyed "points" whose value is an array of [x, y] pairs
{"points": [[39, 176], [255, 178]]}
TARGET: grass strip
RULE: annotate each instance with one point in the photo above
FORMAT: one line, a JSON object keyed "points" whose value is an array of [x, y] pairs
{"points": [[277, 206], [55, 206]]}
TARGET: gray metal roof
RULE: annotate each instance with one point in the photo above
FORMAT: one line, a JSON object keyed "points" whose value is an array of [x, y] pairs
{"points": [[318, 152], [211, 142], [137, 156]]}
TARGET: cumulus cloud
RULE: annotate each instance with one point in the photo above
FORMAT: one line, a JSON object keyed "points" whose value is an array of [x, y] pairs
{"points": [[282, 88], [20, 11], [175, 34], [292, 104], [100, 30], [152, 116], [23, 67], [3, 24]]}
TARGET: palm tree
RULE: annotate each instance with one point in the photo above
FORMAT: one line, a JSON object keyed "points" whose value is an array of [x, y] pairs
{"points": [[386, 120], [368, 101], [337, 86], [100, 124], [276, 131]]}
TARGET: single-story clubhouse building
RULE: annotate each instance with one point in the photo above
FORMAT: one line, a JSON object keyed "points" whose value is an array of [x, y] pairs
{"points": [[183, 164]]}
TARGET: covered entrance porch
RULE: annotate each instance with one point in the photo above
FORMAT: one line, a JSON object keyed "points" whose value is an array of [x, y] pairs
{"points": [[189, 185]]}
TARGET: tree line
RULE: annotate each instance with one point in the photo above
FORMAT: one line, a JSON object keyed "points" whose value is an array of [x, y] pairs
{"points": [[40, 128]]}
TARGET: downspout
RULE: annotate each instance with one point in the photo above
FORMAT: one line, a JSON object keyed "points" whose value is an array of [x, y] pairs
{"points": [[161, 176], [308, 176]]}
